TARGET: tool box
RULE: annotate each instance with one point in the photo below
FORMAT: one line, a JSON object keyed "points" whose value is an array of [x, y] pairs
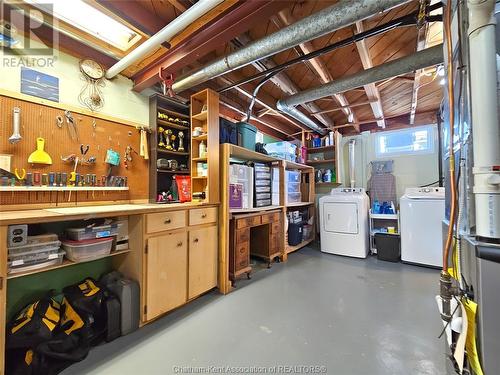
{"points": [[33, 256]]}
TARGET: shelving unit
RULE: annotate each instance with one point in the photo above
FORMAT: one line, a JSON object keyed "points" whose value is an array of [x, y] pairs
{"points": [[205, 115], [329, 160], [161, 179], [381, 221]]}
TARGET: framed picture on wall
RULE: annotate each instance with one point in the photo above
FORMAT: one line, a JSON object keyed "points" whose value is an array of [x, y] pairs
{"points": [[39, 84]]}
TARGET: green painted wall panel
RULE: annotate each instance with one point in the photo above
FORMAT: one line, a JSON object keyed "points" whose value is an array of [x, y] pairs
{"points": [[23, 290]]}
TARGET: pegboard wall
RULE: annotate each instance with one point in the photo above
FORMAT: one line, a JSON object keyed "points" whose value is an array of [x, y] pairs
{"points": [[38, 120]]}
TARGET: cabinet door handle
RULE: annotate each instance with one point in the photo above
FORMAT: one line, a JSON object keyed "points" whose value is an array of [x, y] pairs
{"points": [[203, 216], [242, 250], [195, 240], [167, 221], [179, 244]]}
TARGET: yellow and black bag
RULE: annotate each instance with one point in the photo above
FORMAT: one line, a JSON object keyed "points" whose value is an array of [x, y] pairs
{"points": [[34, 324]]}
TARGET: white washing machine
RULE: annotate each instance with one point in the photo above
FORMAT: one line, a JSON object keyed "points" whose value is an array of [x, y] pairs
{"points": [[421, 213], [343, 219]]}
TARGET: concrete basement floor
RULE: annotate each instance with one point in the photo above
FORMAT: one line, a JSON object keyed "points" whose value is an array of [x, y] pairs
{"points": [[350, 315]]}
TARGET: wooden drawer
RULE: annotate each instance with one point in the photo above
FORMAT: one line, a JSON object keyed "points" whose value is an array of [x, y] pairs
{"points": [[271, 218], [242, 252], [276, 228], [241, 263], [243, 235], [163, 221], [248, 222], [202, 216]]}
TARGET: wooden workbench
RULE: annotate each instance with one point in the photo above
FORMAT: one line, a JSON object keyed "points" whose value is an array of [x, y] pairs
{"points": [[172, 252]]}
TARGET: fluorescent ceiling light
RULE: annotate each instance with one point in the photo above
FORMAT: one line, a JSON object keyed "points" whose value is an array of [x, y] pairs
{"points": [[79, 14]]}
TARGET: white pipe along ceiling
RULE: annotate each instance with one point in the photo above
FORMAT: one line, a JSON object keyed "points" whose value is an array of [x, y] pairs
{"points": [[164, 35]]}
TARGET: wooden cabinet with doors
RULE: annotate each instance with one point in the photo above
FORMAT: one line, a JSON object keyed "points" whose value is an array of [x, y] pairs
{"points": [[180, 258], [166, 276]]}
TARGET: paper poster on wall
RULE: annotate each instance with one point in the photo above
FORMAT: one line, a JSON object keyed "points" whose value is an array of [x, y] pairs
{"points": [[39, 84]]}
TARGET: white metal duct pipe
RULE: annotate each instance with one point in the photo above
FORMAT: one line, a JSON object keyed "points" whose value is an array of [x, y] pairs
{"points": [[352, 162], [342, 14], [419, 60], [173, 28], [485, 124]]}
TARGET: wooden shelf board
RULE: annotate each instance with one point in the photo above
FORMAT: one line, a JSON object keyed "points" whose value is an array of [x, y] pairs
{"points": [[199, 159], [62, 188], [200, 138], [202, 116], [334, 184], [294, 165], [299, 204], [315, 150], [291, 249], [178, 114], [169, 152], [172, 172], [65, 263], [326, 161], [172, 125], [251, 210], [199, 177], [246, 154]]}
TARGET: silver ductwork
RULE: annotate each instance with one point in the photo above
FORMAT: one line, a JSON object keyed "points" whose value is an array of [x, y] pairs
{"points": [[342, 14], [419, 60]]}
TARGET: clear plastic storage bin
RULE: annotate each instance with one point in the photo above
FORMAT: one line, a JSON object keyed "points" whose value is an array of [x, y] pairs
{"points": [[82, 251], [34, 248], [293, 176], [89, 233], [293, 197], [293, 187]]}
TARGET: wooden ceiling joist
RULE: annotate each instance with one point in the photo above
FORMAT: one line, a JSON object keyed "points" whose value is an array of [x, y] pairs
{"points": [[317, 64], [371, 89]]}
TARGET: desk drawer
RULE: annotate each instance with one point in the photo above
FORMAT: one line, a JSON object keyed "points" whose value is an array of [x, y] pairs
{"points": [[163, 221], [203, 216], [248, 222], [242, 235], [242, 254], [271, 218]]}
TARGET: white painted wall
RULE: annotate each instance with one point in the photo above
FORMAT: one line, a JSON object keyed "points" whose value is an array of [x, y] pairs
{"points": [[409, 170], [119, 99]]}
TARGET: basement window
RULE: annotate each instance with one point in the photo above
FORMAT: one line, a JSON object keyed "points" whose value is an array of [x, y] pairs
{"points": [[413, 141], [92, 21]]}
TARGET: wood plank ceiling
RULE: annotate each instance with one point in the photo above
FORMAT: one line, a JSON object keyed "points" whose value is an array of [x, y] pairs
{"points": [[396, 95]]}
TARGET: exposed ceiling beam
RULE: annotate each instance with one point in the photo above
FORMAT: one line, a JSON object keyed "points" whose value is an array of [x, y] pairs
{"points": [[282, 80], [317, 64], [240, 18], [396, 122], [371, 89], [134, 14], [179, 5], [421, 44], [342, 108]]}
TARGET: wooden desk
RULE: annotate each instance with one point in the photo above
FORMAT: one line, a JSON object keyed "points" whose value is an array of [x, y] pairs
{"points": [[258, 234]]}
